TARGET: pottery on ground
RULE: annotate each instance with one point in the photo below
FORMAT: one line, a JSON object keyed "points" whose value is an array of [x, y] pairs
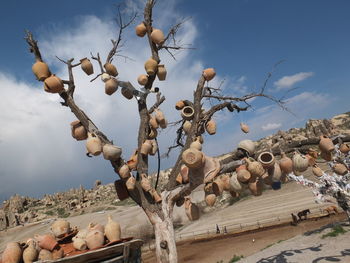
{"points": [[344, 148], [300, 162], [243, 175], [46, 241], [79, 243], [60, 228], [254, 167], [266, 159], [317, 171], [112, 230], [30, 254], [340, 169], [95, 239], [45, 254], [286, 164], [210, 199], [326, 144], [235, 183], [12, 253]]}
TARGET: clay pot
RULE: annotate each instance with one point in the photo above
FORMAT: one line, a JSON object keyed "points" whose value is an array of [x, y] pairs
{"points": [[12, 253], [192, 210], [130, 183], [122, 191], [286, 164], [266, 159], [93, 145], [41, 70], [111, 152], [196, 145], [79, 243], [157, 198], [311, 159], [53, 84], [254, 167], [152, 134], [300, 162], [275, 172], [45, 254], [344, 148], [187, 113], [127, 93], [86, 66], [57, 253], [60, 228], [192, 158], [141, 30], [46, 241], [157, 36], [210, 199], [327, 156], [218, 186], [186, 127], [145, 183], [340, 169], [146, 147], [248, 146], [209, 74], [255, 186], [30, 254], [326, 144], [159, 115], [93, 226], [124, 171], [235, 183], [95, 239], [112, 230], [244, 127], [317, 171], [111, 86], [153, 122], [111, 69], [132, 162], [142, 79], [161, 73], [154, 147], [105, 77], [179, 105], [184, 173], [210, 127], [151, 66], [243, 175], [78, 131]]}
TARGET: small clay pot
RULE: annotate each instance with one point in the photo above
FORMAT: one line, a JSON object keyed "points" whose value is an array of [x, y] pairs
{"points": [[286, 164], [254, 167], [154, 147], [152, 134], [41, 70], [94, 226], [326, 156], [132, 162], [93, 145], [300, 162], [12, 253], [57, 253], [53, 84], [243, 175], [157, 198], [78, 131], [326, 144], [248, 146], [266, 159], [344, 148], [111, 152], [130, 183], [209, 74], [244, 127], [179, 105], [187, 127], [87, 66], [60, 228], [79, 243], [255, 186], [275, 172], [111, 86], [317, 171], [157, 36], [187, 113], [210, 127], [141, 30], [95, 239], [146, 147], [192, 158], [46, 241], [112, 230], [340, 169], [196, 145], [142, 79], [127, 93], [111, 69], [161, 73], [191, 209], [145, 183], [151, 66], [124, 171], [210, 199], [184, 173], [218, 186]]}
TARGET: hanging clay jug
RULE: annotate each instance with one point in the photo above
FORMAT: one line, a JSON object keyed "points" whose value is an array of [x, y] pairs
{"points": [[146, 147], [94, 226], [127, 93], [344, 148], [317, 171], [152, 134], [192, 210], [53, 84], [79, 243], [255, 186], [192, 158], [111, 69], [186, 127], [210, 199], [30, 254], [122, 191], [12, 253], [286, 164], [132, 162], [111, 152], [60, 228], [248, 146], [236, 186], [157, 36], [184, 173], [244, 127], [157, 198], [179, 105], [130, 183], [46, 241], [154, 147], [105, 77], [300, 162], [93, 145], [153, 122], [187, 113], [124, 171], [275, 172], [326, 156], [78, 131], [41, 70], [161, 73], [340, 169], [86, 66], [266, 159], [111, 86], [142, 79], [326, 144], [196, 145], [159, 115], [95, 239], [112, 230], [45, 254], [243, 175], [209, 74], [151, 66], [145, 183], [141, 30], [57, 253], [210, 127], [254, 167]]}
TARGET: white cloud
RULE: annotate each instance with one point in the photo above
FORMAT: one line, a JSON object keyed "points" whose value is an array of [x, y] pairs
{"points": [[288, 81], [271, 126]]}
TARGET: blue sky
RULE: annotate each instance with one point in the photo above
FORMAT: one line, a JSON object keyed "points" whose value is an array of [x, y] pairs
{"points": [[241, 39]]}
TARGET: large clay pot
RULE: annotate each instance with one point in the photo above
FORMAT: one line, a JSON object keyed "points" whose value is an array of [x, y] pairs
{"points": [[30, 254], [300, 162], [234, 182], [210, 199], [153, 122], [111, 86], [130, 183], [122, 191], [111, 152], [78, 131], [210, 127], [93, 145], [127, 93], [187, 127], [12, 253], [132, 162], [87, 66], [46, 241], [111, 69], [142, 79], [53, 84], [161, 73], [157, 36], [79, 243], [255, 186], [187, 113], [209, 74], [192, 158], [317, 171], [95, 239], [266, 159], [286, 164], [179, 105], [151, 66], [154, 147], [248, 146], [244, 127], [157, 198], [60, 228], [191, 209], [112, 230], [124, 171], [45, 254], [146, 147], [254, 167], [344, 148], [41, 70], [326, 144], [141, 30], [340, 169], [145, 183]]}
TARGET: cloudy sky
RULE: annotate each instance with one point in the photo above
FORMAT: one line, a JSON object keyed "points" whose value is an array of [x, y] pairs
{"points": [[241, 39]]}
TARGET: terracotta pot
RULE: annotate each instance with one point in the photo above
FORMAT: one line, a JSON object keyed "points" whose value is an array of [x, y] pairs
{"points": [[154, 147], [112, 230], [186, 127], [210, 127], [30, 254], [141, 30], [196, 145], [344, 148], [157, 198], [159, 115], [161, 73], [218, 186], [153, 122], [132, 162], [179, 105], [192, 210], [111, 152], [130, 183], [95, 239], [326, 144], [124, 171], [121, 190], [152, 134], [254, 167], [300, 162], [340, 169], [248, 146], [317, 171], [127, 93], [327, 156], [275, 172], [266, 159], [145, 183], [255, 186], [243, 175], [146, 147], [286, 164], [142, 79], [105, 77], [111, 86], [187, 113], [41, 70], [53, 84], [209, 74], [235, 183], [244, 127], [93, 145], [151, 66], [210, 199], [79, 243], [45, 254], [57, 253], [12, 253], [46, 241], [78, 131], [184, 173], [94, 226], [87, 66], [60, 228], [111, 69], [157, 36], [192, 158]]}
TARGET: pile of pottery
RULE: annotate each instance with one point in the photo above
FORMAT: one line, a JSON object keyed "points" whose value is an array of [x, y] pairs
{"points": [[52, 83], [50, 247]]}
